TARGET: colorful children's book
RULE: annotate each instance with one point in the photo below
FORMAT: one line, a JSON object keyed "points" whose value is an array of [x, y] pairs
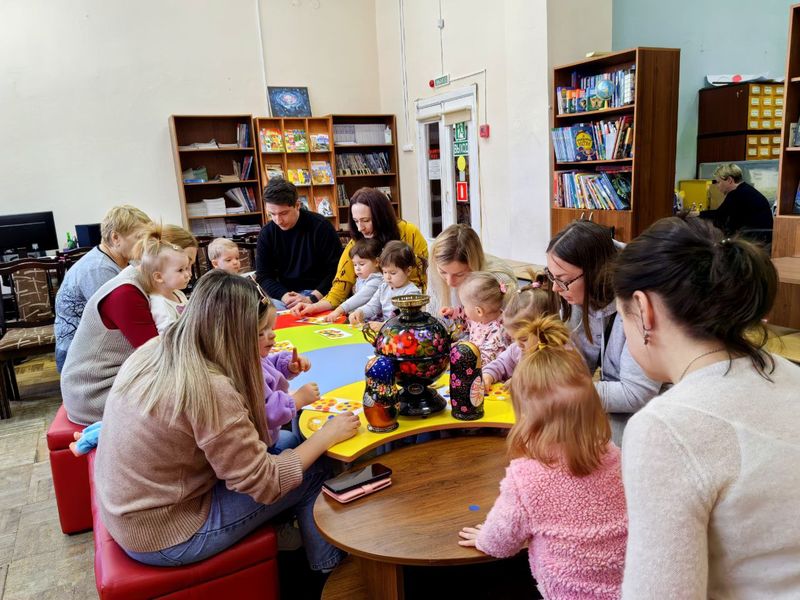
{"points": [[321, 172], [303, 200], [271, 140], [274, 171], [333, 405], [299, 176], [584, 142], [324, 206], [320, 142], [295, 140]]}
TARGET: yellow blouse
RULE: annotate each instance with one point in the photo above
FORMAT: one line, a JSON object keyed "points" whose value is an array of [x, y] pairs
{"points": [[346, 276]]}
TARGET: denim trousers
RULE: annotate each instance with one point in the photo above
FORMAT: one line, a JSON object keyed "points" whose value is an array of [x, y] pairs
{"points": [[279, 305], [233, 515]]}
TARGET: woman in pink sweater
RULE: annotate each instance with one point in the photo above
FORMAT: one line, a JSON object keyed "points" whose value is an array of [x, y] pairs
{"points": [[562, 494]]}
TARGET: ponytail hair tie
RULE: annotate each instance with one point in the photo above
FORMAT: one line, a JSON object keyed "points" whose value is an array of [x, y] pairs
{"points": [[536, 284], [503, 288], [542, 345]]}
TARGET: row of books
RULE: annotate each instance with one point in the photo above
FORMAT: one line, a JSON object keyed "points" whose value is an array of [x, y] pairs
{"points": [[243, 135], [292, 140], [236, 201], [601, 190], [323, 204], [223, 228], [341, 192], [593, 93], [320, 173], [373, 163], [371, 133], [600, 140]]}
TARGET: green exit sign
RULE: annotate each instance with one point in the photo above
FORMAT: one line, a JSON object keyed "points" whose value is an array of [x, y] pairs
{"points": [[441, 81]]}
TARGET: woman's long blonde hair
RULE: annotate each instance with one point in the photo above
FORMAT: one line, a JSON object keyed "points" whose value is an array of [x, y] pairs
{"points": [[217, 334], [559, 417]]}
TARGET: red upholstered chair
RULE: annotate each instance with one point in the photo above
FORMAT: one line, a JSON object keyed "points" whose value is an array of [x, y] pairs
{"points": [[70, 476], [247, 570]]}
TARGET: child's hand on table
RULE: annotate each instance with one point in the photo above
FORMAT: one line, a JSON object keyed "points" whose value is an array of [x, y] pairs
{"points": [[469, 535], [332, 317], [298, 364], [447, 312], [341, 427], [356, 317], [488, 380], [375, 325], [307, 394]]}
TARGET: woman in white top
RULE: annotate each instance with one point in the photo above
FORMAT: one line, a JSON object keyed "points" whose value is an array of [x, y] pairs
{"points": [[712, 466]]}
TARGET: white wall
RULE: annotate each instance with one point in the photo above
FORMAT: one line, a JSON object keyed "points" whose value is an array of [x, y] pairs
{"points": [[88, 86], [510, 39]]}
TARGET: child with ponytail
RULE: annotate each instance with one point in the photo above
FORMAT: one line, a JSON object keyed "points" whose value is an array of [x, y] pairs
{"points": [[562, 495], [525, 306]]}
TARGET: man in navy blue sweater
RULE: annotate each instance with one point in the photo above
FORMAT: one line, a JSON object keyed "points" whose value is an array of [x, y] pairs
{"points": [[297, 251]]}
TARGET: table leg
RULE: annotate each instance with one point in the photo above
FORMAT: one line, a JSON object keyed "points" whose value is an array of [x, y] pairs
{"points": [[384, 581]]}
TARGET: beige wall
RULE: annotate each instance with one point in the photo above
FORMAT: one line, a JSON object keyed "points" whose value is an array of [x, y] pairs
{"points": [[509, 39]]}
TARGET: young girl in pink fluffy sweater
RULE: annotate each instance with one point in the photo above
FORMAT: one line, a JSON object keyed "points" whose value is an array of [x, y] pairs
{"points": [[562, 494]]}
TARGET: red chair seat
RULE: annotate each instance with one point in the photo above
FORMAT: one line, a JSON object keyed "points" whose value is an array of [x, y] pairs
{"points": [[249, 569], [70, 475]]}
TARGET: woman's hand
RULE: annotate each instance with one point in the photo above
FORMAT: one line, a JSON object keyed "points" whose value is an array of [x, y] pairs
{"points": [[298, 364], [356, 317], [307, 394], [447, 312], [305, 310], [469, 535], [341, 427], [334, 316]]}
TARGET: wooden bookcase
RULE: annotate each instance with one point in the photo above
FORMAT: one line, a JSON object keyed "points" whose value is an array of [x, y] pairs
{"points": [[310, 194], [655, 114], [200, 129], [348, 146]]}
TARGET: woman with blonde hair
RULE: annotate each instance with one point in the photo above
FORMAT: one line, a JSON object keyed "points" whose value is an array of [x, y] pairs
{"points": [[182, 469], [115, 321], [457, 252], [562, 495], [120, 230]]}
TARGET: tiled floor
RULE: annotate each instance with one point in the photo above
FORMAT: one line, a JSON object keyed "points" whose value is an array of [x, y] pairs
{"points": [[36, 559]]}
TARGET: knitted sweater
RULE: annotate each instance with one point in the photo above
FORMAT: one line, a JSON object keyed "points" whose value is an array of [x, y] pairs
{"points": [[279, 405], [712, 479], [623, 387], [154, 481], [575, 527], [380, 307], [95, 356], [363, 291]]}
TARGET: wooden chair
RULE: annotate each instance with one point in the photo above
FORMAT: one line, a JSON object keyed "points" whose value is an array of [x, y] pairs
{"points": [[70, 257], [27, 328]]}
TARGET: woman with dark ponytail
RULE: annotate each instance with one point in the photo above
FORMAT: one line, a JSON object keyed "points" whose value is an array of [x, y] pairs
{"points": [[711, 466]]}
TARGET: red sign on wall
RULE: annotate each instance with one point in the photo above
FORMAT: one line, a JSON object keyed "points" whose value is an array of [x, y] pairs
{"points": [[461, 191]]}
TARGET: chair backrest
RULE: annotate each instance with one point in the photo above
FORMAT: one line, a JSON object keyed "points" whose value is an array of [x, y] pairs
{"points": [[70, 257], [34, 283], [247, 256]]}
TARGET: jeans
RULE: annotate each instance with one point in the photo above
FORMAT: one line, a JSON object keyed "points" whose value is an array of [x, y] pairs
{"points": [[233, 515], [279, 305], [286, 439]]}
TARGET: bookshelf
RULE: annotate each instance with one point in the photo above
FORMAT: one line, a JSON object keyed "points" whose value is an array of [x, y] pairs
{"points": [[301, 151], [649, 162], [355, 138], [220, 193]]}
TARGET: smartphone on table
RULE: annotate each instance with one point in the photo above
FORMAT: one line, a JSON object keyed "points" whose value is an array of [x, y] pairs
{"points": [[354, 484]]}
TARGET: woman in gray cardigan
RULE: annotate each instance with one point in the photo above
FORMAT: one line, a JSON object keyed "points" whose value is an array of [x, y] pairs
{"points": [[578, 260]]}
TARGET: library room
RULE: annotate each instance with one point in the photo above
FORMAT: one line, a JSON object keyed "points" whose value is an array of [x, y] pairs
{"points": [[400, 299]]}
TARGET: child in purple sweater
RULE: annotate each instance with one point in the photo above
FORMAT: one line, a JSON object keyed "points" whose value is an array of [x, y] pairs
{"points": [[525, 305], [281, 406], [562, 494]]}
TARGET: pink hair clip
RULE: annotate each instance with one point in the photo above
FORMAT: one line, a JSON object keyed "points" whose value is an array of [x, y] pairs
{"points": [[502, 287], [536, 284]]}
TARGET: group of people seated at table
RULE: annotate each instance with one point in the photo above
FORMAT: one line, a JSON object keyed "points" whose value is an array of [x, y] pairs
{"points": [[660, 340]]}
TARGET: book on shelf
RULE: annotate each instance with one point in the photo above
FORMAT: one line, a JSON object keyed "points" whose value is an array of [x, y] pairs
{"points": [[295, 140], [320, 142], [321, 172], [370, 133], [215, 206], [271, 140], [303, 200], [224, 146], [195, 175], [243, 169], [299, 176], [598, 140], [342, 194], [324, 206], [243, 135], [351, 163], [597, 92], [594, 190], [385, 190], [243, 197], [274, 171], [200, 146]]}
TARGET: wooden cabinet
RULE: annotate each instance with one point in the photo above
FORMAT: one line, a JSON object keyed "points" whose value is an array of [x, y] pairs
{"points": [[207, 151], [654, 110]]}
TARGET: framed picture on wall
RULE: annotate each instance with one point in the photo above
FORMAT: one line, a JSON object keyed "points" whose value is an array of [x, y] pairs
{"points": [[289, 101]]}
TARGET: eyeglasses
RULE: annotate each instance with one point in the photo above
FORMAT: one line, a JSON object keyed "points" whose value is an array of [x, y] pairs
{"points": [[562, 285], [264, 298]]}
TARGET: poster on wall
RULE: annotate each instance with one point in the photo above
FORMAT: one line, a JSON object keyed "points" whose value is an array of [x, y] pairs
{"points": [[289, 101]]}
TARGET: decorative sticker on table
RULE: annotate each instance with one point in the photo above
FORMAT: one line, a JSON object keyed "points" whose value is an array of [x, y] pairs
{"points": [[335, 405], [312, 320], [498, 391], [282, 346], [333, 334]]}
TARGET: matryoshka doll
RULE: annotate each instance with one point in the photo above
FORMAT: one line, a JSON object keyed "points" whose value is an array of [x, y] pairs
{"points": [[466, 381], [381, 402]]}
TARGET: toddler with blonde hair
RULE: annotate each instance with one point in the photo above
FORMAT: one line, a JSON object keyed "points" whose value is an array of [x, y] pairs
{"points": [[224, 254]]}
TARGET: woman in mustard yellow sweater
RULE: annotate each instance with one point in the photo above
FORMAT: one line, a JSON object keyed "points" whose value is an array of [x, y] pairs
{"points": [[371, 216]]}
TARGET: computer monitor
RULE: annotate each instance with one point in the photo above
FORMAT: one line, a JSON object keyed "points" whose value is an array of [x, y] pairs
{"points": [[26, 232]]}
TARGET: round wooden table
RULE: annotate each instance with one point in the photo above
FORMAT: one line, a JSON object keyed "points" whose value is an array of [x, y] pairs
{"points": [[437, 488]]}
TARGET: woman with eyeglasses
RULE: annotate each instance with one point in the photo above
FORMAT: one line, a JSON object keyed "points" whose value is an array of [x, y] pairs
{"points": [[578, 260]]}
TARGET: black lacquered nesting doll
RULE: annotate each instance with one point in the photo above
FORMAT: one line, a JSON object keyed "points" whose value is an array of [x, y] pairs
{"points": [[466, 381], [381, 402]]}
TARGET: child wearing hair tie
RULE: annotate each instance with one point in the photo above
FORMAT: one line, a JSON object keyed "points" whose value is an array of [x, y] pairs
{"points": [[483, 298], [531, 302], [562, 495]]}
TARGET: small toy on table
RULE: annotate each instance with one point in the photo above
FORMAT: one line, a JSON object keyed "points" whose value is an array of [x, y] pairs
{"points": [[466, 381], [381, 402]]}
